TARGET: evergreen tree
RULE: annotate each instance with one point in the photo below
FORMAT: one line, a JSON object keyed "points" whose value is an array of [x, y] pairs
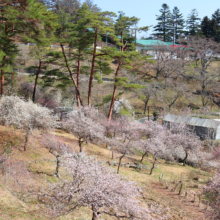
{"points": [[178, 24], [215, 25], [124, 60], [43, 40], [215, 30], [68, 6], [21, 20], [193, 23], [123, 27], [77, 36], [82, 36], [100, 23], [163, 28], [216, 16], [206, 27], [92, 7]]}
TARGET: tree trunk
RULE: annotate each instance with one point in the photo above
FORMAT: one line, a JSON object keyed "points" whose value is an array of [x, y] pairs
{"points": [[72, 78], [114, 92], [155, 160], [181, 187], [145, 154], [122, 47], [169, 107], [115, 87], [112, 154], [94, 213], [157, 75], [184, 160], [145, 106], [119, 163], [57, 166], [3, 65], [36, 78], [93, 68], [27, 139], [3, 76], [2, 81], [78, 77], [80, 145]]}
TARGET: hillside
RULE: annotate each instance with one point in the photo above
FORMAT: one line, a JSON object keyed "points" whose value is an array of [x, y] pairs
{"points": [[40, 161], [191, 95]]}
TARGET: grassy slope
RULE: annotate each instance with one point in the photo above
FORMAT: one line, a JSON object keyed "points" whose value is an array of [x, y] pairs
{"points": [[39, 159]]}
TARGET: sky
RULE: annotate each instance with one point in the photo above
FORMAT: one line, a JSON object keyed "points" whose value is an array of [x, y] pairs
{"points": [[147, 10]]}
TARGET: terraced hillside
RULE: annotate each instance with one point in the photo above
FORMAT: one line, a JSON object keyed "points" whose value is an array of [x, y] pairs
{"points": [[41, 165]]}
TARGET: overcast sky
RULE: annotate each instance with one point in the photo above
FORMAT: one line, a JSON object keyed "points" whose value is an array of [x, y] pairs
{"points": [[147, 10]]}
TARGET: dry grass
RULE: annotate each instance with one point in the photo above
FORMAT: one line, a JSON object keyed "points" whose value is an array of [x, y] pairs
{"points": [[39, 159]]}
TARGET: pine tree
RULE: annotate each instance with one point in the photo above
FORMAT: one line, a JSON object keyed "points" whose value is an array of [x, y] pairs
{"points": [[100, 23], [178, 24], [67, 6], [92, 7], [193, 23], [206, 27], [215, 25], [163, 28], [82, 36], [17, 20], [124, 60], [77, 36], [43, 40], [216, 16], [215, 30], [123, 27]]}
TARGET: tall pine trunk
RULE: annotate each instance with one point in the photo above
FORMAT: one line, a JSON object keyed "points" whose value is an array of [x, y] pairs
{"points": [[114, 92], [78, 76], [36, 79], [80, 102], [115, 86], [2, 81], [3, 65], [93, 68]]}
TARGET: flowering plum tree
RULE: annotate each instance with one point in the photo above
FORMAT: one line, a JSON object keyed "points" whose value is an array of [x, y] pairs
{"points": [[16, 176], [82, 124], [216, 153], [97, 187], [56, 147], [150, 131], [154, 141], [213, 191], [123, 135], [184, 142], [25, 115]]}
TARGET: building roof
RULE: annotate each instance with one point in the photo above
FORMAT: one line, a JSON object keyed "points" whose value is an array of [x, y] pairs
{"points": [[153, 42], [149, 44], [192, 121]]}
